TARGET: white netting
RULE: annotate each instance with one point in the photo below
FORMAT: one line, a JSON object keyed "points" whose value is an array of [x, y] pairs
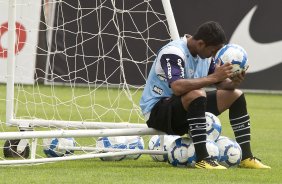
{"points": [[92, 59], [97, 45]]}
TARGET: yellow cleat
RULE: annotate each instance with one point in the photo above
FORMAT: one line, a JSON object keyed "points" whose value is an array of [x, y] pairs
{"points": [[253, 163], [208, 163]]}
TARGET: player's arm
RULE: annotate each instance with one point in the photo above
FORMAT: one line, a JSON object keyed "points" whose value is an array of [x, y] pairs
{"points": [[232, 82], [182, 86]]}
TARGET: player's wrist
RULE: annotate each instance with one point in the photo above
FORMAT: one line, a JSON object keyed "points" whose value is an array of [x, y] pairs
{"points": [[213, 79]]}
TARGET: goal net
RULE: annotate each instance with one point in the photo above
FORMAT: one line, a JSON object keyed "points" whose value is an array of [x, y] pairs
{"points": [[89, 61]]}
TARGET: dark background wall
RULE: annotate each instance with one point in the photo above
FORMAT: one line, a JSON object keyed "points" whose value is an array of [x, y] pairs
{"points": [[79, 64], [265, 27]]}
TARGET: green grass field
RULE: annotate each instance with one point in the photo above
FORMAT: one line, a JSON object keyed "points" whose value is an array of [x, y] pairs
{"points": [[265, 112]]}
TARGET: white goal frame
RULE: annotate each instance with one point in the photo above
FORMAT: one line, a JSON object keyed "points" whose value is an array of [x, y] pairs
{"points": [[104, 128], [12, 121]]}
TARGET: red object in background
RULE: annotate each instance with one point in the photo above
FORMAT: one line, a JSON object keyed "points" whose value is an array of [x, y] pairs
{"points": [[20, 40]]}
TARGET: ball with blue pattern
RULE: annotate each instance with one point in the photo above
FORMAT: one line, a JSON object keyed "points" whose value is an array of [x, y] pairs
{"points": [[120, 142], [178, 152], [155, 144], [58, 147], [113, 143], [236, 55], [213, 126], [135, 143], [230, 153]]}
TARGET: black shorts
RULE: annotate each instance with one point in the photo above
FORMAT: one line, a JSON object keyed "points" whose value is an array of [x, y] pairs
{"points": [[169, 116]]}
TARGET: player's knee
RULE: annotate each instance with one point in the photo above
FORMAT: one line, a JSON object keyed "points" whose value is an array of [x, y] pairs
{"points": [[194, 94], [198, 106], [240, 99], [231, 95], [238, 93], [188, 98]]}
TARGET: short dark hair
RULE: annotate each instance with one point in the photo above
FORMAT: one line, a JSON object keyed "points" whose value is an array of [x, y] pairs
{"points": [[211, 33]]}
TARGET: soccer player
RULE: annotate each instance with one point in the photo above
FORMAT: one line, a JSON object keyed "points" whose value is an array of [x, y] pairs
{"points": [[175, 102]]}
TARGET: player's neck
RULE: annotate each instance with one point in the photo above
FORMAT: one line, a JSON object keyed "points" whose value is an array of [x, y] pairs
{"points": [[191, 46]]}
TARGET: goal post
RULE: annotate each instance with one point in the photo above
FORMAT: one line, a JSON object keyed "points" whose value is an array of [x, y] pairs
{"points": [[170, 19], [11, 61], [98, 55]]}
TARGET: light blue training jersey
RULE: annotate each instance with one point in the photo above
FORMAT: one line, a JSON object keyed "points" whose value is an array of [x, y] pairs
{"points": [[174, 61]]}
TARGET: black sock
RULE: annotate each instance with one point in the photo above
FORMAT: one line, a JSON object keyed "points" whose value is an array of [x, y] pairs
{"points": [[197, 126], [240, 122]]}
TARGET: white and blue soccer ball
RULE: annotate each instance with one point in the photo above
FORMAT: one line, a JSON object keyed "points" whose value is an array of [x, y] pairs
{"points": [[155, 144], [135, 143], [120, 142], [230, 153], [112, 143], [212, 149], [58, 147], [213, 126], [178, 152], [236, 55]]}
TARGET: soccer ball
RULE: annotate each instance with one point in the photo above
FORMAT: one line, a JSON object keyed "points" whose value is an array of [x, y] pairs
{"points": [[54, 147], [120, 142], [155, 144], [137, 143], [212, 149], [213, 126], [229, 151], [178, 152], [112, 142], [234, 54]]}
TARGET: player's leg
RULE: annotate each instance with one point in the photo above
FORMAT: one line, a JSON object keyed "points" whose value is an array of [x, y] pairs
{"points": [[195, 104], [235, 101], [170, 115]]}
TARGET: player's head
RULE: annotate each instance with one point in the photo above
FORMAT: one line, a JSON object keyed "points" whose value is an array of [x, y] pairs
{"points": [[209, 38]]}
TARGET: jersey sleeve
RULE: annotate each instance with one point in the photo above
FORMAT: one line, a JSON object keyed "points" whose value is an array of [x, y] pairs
{"points": [[212, 67], [173, 67]]}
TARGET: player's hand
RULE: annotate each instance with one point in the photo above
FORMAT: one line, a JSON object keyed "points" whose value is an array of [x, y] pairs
{"points": [[238, 79], [223, 71]]}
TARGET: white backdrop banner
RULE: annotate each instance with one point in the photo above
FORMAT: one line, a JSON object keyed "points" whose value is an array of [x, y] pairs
{"points": [[27, 25]]}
